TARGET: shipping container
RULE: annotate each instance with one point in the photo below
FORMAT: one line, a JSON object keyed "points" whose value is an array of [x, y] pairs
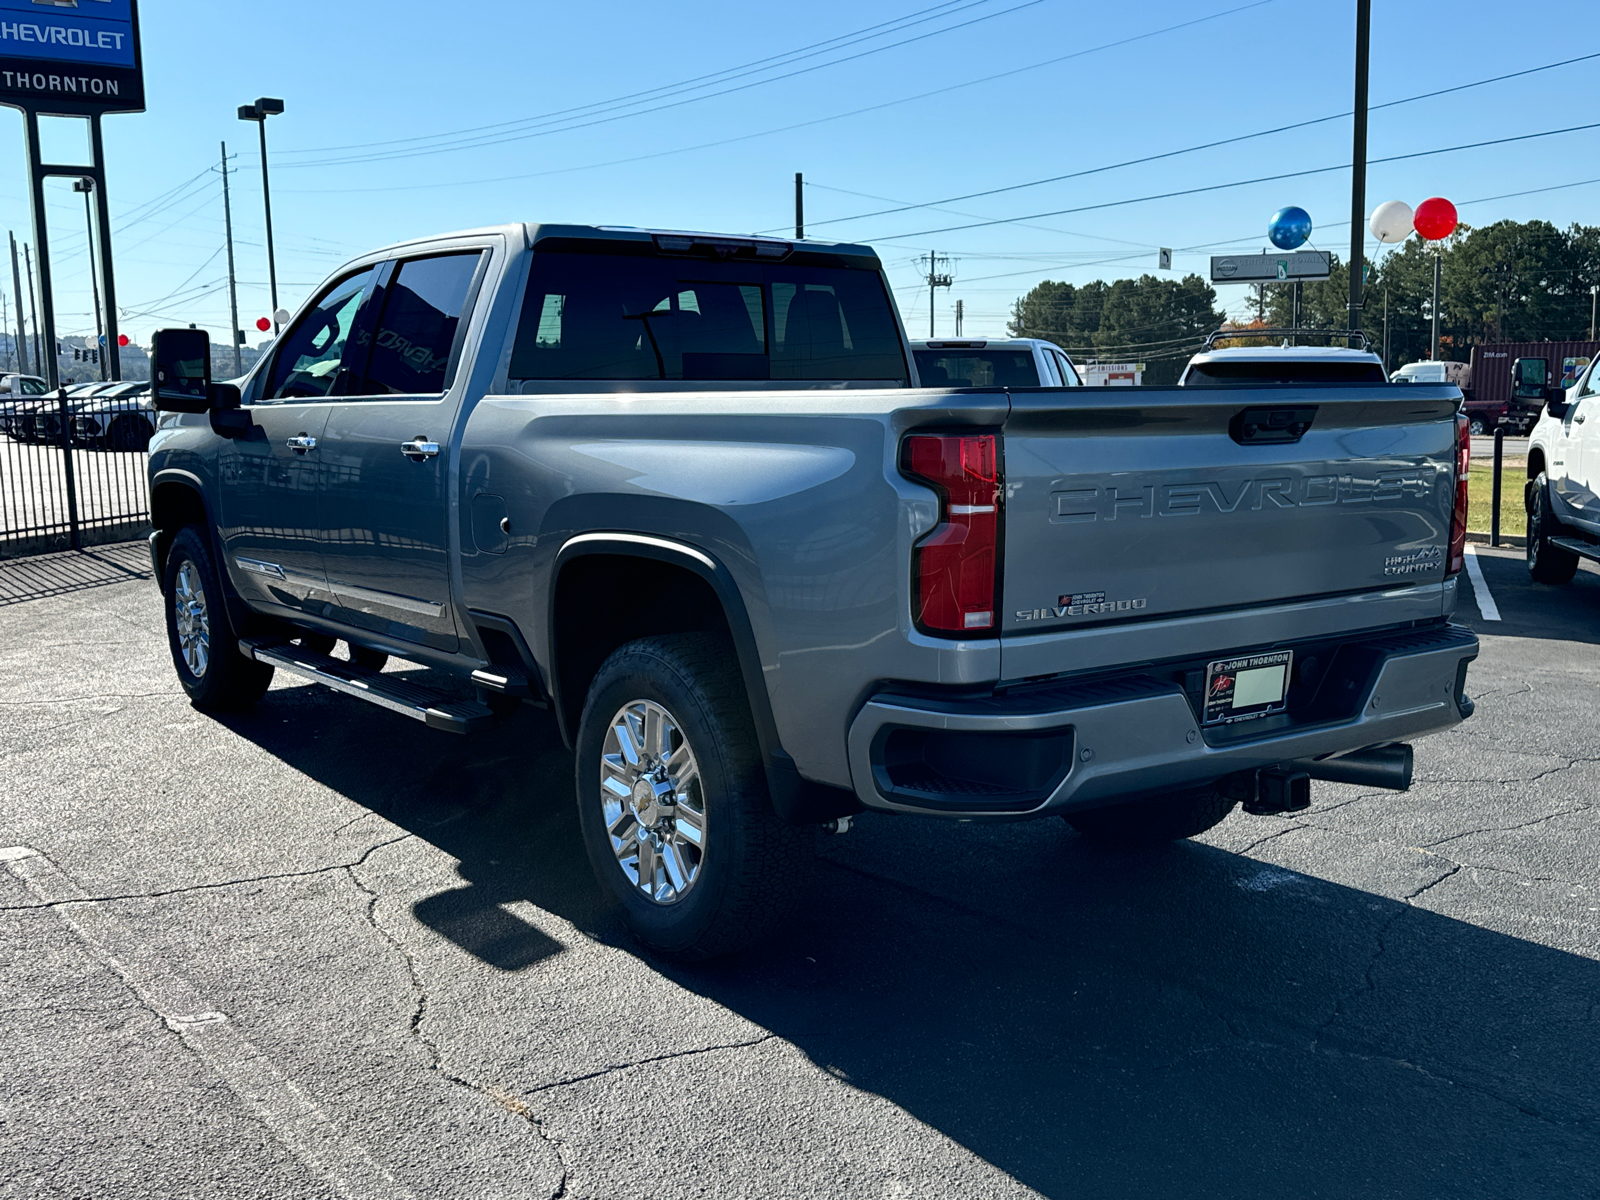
{"points": [[1491, 365]]}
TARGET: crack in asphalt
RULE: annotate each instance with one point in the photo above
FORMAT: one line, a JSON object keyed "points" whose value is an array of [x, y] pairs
{"points": [[206, 887], [96, 696], [1296, 827], [436, 1058], [655, 1058], [1566, 812]]}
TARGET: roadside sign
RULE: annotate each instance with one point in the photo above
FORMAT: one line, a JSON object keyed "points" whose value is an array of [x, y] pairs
{"points": [[1164, 259], [1271, 268], [71, 59]]}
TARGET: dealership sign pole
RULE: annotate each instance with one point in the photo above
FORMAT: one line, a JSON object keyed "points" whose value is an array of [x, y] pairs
{"points": [[76, 60]]}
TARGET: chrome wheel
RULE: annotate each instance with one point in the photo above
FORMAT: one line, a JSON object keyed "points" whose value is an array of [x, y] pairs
{"points": [[652, 802], [193, 622]]}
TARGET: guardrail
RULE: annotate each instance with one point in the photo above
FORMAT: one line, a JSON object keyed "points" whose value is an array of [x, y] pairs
{"points": [[72, 468]]}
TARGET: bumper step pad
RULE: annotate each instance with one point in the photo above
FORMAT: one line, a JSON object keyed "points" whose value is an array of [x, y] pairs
{"points": [[434, 709]]}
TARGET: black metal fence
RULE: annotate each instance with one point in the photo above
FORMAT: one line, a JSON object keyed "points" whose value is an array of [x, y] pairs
{"points": [[72, 467]]}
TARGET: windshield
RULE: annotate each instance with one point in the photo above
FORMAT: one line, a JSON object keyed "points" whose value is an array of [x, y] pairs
{"points": [[977, 368], [32, 387], [1290, 371]]}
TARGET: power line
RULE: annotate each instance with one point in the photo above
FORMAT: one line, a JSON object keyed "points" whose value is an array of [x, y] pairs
{"points": [[1216, 187], [1149, 158], [496, 140], [770, 62], [855, 112]]}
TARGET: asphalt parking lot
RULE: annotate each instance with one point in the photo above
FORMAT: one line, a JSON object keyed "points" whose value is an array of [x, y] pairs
{"points": [[319, 951]]}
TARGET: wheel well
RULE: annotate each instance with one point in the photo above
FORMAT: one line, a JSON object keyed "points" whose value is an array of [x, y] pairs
{"points": [[1535, 463], [604, 601], [173, 506]]}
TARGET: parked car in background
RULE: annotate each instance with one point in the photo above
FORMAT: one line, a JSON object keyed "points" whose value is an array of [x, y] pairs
{"points": [[1484, 414], [118, 416], [1561, 499], [993, 362], [1284, 364], [18, 398]]}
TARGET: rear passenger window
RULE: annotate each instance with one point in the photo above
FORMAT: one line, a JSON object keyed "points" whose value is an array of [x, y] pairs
{"points": [[417, 324], [605, 316]]}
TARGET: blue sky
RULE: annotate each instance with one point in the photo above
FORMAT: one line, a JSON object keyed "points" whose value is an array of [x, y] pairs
{"points": [[873, 124]]}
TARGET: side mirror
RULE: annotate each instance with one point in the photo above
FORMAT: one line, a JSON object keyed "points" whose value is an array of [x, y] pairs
{"points": [[180, 370], [1556, 401], [1530, 379]]}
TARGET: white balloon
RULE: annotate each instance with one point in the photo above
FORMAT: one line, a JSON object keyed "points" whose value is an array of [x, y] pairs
{"points": [[283, 314], [1391, 222]]}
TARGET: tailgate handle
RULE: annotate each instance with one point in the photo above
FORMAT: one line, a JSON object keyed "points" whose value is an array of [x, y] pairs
{"points": [[1271, 426]]}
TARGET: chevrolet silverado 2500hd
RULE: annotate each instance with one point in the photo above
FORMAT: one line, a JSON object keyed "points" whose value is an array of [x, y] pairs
{"points": [[685, 491]]}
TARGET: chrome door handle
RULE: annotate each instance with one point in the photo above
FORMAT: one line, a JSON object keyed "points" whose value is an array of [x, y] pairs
{"points": [[1578, 418], [301, 444], [418, 449]]}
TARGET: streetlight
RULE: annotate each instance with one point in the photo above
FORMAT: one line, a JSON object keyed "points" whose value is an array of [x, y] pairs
{"points": [[86, 186], [264, 107]]}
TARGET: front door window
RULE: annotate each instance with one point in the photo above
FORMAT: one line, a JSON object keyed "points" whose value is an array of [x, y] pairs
{"points": [[311, 354]]}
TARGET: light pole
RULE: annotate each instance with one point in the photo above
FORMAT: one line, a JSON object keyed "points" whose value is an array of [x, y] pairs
{"points": [[1594, 290], [86, 186], [264, 107]]}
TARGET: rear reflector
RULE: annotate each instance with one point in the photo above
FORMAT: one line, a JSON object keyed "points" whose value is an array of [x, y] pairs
{"points": [[1458, 518], [954, 566]]}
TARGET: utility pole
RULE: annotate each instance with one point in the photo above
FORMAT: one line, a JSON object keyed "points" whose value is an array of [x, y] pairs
{"points": [[233, 291], [1594, 290], [86, 186], [1386, 329], [33, 307], [799, 207], [1358, 160], [16, 292], [958, 318], [1434, 354], [5, 319], [936, 279]]}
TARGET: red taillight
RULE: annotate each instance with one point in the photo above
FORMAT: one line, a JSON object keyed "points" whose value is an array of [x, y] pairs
{"points": [[1458, 518], [954, 566]]}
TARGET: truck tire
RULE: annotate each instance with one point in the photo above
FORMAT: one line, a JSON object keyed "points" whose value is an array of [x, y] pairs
{"points": [[1546, 563], [1167, 818], [666, 745], [213, 672], [1478, 427]]}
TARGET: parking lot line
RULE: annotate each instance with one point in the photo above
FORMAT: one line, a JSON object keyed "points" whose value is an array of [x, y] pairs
{"points": [[270, 1095], [1480, 589]]}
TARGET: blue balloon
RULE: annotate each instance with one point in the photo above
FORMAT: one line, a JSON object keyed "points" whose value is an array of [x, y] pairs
{"points": [[1289, 228]]}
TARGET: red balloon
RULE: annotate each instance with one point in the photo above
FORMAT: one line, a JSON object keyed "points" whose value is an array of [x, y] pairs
{"points": [[1435, 219], [263, 324], [122, 339]]}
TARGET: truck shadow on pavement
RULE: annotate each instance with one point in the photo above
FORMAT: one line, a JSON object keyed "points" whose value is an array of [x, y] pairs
{"points": [[1178, 1022]]}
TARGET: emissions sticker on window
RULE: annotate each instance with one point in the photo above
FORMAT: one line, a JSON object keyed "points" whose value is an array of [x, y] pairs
{"points": [[1241, 689]]}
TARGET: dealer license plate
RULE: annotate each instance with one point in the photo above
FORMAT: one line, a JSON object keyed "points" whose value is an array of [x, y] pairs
{"points": [[1242, 689]]}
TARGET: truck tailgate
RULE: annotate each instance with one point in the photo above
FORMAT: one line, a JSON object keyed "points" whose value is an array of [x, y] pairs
{"points": [[1128, 504]]}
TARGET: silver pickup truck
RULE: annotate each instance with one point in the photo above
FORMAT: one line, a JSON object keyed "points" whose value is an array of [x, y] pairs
{"points": [[684, 491]]}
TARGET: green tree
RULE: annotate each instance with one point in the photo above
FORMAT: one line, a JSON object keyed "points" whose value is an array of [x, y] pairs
{"points": [[1159, 322]]}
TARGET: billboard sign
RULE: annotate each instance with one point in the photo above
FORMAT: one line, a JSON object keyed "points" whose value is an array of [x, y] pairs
{"points": [[1268, 268], [71, 57]]}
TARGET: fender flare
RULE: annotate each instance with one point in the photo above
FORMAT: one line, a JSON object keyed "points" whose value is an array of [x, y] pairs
{"points": [[798, 800]]}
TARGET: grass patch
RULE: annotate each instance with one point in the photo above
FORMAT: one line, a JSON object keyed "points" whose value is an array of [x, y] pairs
{"points": [[1480, 489]]}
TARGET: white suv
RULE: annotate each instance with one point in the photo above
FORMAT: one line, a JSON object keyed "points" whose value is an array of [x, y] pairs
{"points": [[1284, 364], [1563, 490], [993, 362]]}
